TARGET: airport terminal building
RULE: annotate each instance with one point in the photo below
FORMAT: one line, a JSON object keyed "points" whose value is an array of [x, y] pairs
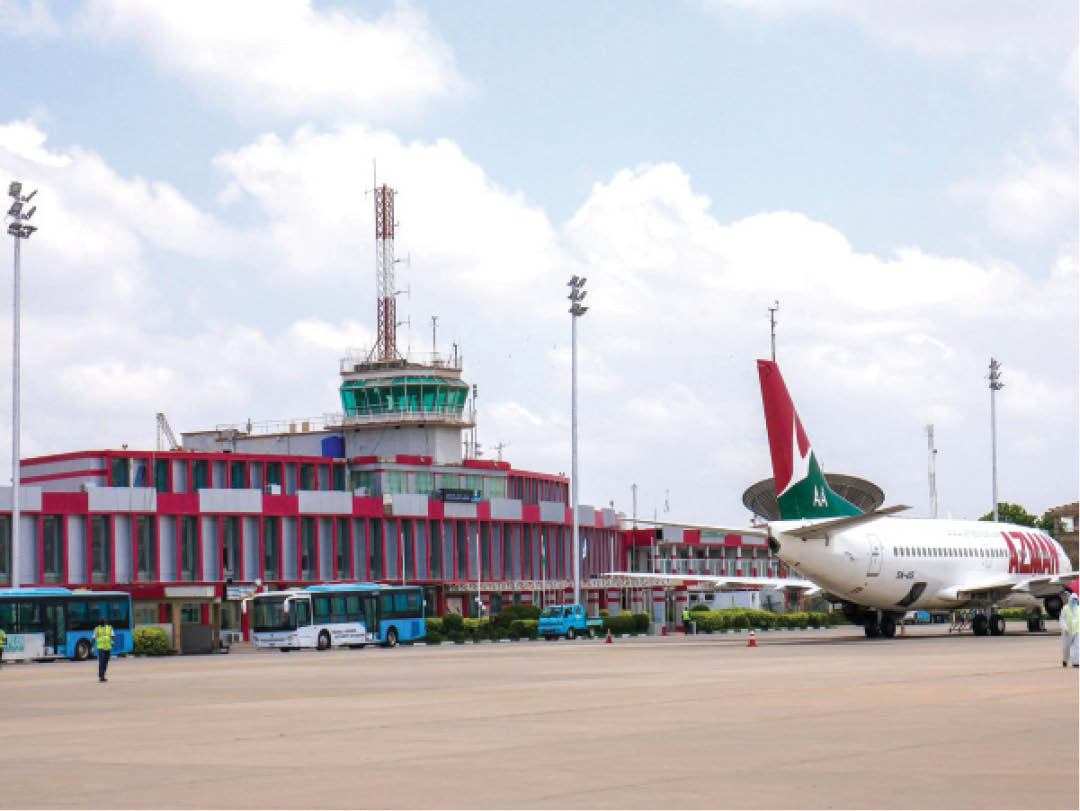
{"points": [[386, 490]]}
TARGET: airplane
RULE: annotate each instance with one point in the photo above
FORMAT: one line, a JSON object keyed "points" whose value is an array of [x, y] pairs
{"points": [[878, 567]]}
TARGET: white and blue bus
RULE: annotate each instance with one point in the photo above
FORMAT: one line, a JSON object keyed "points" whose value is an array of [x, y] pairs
{"points": [[342, 614], [54, 623]]}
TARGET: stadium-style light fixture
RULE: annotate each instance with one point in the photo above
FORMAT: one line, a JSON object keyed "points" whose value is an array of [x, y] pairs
{"points": [[577, 309]]}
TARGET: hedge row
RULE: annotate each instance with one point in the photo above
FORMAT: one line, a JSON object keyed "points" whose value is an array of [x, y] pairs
{"points": [[150, 641], [513, 622], [626, 623], [735, 618]]}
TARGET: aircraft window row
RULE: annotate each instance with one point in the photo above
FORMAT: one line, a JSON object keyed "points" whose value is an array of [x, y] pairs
{"points": [[946, 552]]}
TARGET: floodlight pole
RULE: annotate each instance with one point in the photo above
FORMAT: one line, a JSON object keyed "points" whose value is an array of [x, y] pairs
{"points": [[20, 231], [995, 386], [577, 309]]}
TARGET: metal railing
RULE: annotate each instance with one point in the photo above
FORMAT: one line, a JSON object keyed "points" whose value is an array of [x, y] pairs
{"points": [[362, 360], [724, 567]]}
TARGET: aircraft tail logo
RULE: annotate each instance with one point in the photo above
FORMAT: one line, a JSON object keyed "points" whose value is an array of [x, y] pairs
{"points": [[801, 487]]}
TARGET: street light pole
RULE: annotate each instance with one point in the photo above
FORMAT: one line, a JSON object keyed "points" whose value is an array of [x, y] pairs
{"points": [[995, 385], [20, 230], [577, 309]]}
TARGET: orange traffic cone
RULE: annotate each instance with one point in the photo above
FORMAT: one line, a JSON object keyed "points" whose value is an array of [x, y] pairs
{"points": [[753, 642], [608, 640]]}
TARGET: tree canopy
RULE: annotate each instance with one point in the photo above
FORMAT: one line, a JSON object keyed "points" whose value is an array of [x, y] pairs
{"points": [[1015, 514]]}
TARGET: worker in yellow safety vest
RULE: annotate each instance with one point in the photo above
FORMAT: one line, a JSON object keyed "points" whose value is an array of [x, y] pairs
{"points": [[3, 642], [103, 641], [1069, 619]]}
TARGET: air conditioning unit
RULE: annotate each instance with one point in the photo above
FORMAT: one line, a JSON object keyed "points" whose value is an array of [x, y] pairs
{"points": [[87, 486], [362, 491], [273, 489]]}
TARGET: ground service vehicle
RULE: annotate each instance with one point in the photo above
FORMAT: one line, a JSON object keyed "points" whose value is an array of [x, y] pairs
{"points": [[342, 614], [569, 621], [53, 623]]}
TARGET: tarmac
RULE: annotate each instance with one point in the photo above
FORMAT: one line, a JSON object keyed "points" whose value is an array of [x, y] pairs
{"points": [[807, 719]]}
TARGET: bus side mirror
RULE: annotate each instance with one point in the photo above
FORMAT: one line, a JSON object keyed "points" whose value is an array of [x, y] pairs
{"points": [[285, 606]]}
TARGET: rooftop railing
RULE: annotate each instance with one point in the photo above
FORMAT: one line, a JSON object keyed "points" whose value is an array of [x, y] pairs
{"points": [[362, 360]]}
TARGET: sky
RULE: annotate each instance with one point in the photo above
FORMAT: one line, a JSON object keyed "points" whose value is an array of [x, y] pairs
{"points": [[901, 178]]}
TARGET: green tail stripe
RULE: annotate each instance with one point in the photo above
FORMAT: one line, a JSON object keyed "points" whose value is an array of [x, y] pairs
{"points": [[813, 498]]}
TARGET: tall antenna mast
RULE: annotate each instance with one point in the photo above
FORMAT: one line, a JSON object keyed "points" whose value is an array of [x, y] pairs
{"points": [[386, 294], [772, 327], [434, 321], [932, 462]]}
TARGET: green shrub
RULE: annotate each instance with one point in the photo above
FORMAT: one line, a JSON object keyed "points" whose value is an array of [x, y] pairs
{"points": [[453, 624], [151, 641], [641, 623], [699, 607], [524, 629], [619, 624]]}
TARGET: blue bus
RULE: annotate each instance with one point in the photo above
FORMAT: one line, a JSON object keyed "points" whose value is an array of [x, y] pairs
{"points": [[54, 623], [340, 614]]}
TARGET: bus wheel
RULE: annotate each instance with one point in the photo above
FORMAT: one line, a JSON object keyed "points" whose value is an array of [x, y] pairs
{"points": [[82, 649], [324, 640], [391, 638]]}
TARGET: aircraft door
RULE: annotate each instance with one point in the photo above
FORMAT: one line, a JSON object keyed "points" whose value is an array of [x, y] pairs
{"points": [[874, 569]]}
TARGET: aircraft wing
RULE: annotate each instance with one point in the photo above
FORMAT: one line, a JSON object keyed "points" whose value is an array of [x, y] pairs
{"points": [[820, 528], [756, 533], [1046, 581], [724, 581]]}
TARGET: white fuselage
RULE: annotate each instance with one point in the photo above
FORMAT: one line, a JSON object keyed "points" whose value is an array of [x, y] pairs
{"points": [[881, 563]]}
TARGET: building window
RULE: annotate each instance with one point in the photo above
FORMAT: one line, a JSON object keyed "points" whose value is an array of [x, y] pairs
{"points": [[230, 547], [424, 481], [449, 481], [189, 542], [119, 473], [462, 551], [271, 547], [273, 473], [339, 477], [435, 549], [408, 550], [485, 551], [191, 613], [52, 532], [237, 477], [307, 477], [145, 549], [5, 549], [397, 481], [343, 562], [307, 548], [375, 549], [496, 488], [100, 549], [161, 475], [200, 475], [474, 483]]}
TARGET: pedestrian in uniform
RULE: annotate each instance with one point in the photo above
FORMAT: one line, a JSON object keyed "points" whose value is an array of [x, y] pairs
{"points": [[1070, 625], [686, 620], [103, 641], [3, 642]]}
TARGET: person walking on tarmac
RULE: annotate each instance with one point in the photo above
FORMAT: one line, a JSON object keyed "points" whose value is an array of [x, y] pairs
{"points": [[103, 641], [1070, 626]]}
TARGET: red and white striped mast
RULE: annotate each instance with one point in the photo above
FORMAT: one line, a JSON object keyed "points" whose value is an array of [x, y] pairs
{"points": [[386, 295]]}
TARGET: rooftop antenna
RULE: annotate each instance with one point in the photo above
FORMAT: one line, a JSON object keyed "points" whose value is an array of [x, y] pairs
{"points": [[772, 327], [932, 462], [385, 291], [434, 322], [499, 448]]}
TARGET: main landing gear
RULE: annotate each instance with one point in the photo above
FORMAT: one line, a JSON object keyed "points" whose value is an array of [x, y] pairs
{"points": [[878, 624]]}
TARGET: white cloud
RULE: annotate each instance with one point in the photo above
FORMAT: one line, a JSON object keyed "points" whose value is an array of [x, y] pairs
{"points": [[27, 18], [956, 28], [287, 57], [873, 347]]}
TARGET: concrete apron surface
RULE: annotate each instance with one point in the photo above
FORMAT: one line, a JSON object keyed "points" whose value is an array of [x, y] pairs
{"points": [[804, 720]]}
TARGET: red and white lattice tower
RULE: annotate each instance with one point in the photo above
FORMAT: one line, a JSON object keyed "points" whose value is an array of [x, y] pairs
{"points": [[386, 295]]}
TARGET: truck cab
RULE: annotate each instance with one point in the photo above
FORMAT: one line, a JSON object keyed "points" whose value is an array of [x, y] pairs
{"points": [[567, 620]]}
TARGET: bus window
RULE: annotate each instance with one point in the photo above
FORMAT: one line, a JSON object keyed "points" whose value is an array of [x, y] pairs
{"points": [[303, 613], [118, 614], [337, 608], [7, 617], [322, 610], [414, 602], [78, 616], [29, 618], [353, 612], [98, 609], [401, 603], [386, 603]]}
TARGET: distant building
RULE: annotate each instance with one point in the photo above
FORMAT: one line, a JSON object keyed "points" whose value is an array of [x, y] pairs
{"points": [[1066, 521]]}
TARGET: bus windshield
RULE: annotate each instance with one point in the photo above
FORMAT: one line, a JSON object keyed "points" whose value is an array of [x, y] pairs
{"points": [[270, 615]]}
